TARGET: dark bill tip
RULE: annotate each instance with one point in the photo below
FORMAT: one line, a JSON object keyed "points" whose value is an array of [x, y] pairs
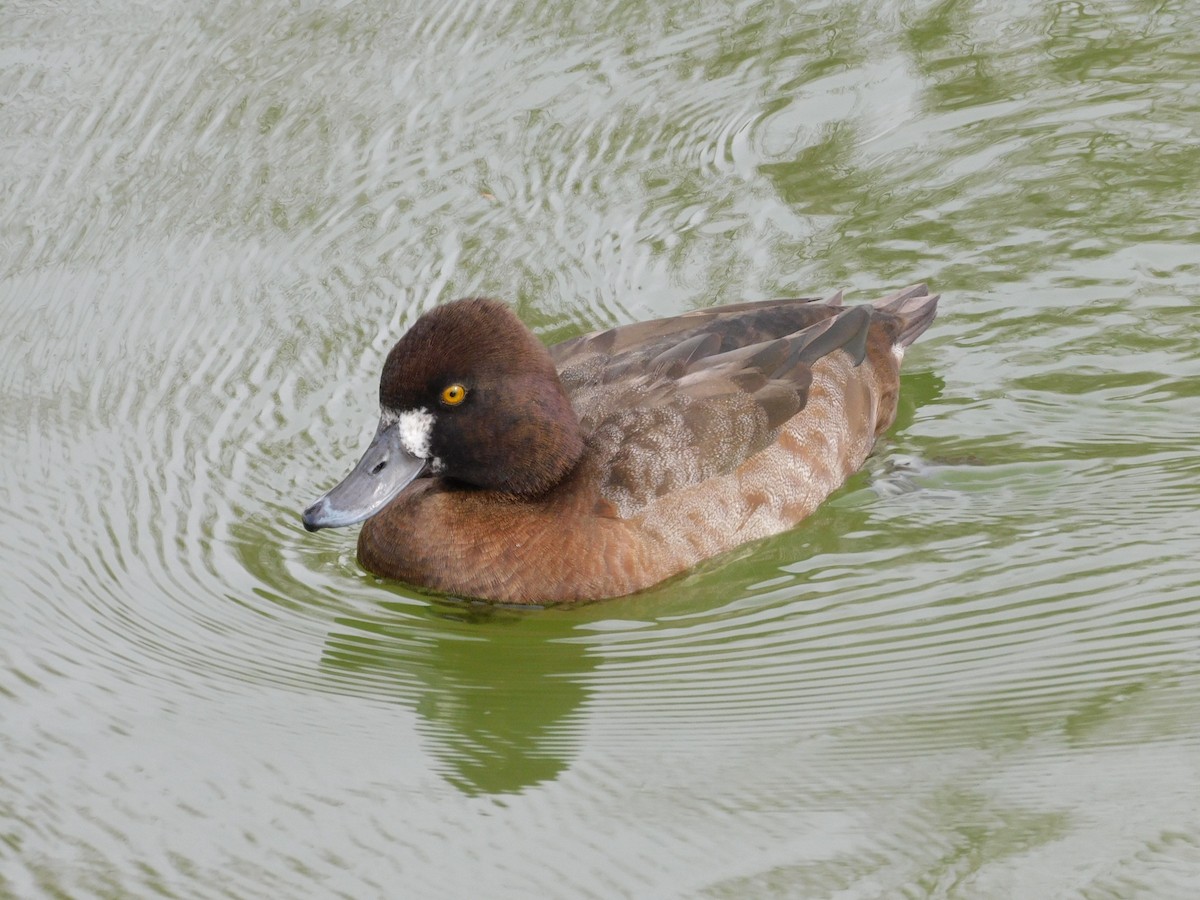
{"points": [[314, 517]]}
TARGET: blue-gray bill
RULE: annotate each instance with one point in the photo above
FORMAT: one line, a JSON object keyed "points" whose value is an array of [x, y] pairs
{"points": [[385, 469]]}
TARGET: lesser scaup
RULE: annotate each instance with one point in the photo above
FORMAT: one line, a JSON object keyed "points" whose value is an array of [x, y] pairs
{"points": [[505, 470]]}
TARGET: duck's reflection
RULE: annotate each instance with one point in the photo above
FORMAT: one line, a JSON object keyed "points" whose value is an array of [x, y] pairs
{"points": [[496, 691]]}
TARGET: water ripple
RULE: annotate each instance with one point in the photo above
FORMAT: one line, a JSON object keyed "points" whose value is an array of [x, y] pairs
{"points": [[214, 223]]}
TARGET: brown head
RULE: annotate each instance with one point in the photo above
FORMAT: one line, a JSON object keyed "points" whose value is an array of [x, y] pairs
{"points": [[500, 416], [469, 394]]}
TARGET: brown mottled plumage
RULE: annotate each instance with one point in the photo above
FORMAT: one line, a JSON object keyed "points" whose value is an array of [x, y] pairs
{"points": [[605, 464]]}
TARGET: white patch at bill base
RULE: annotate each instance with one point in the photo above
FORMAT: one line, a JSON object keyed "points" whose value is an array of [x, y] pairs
{"points": [[415, 428]]}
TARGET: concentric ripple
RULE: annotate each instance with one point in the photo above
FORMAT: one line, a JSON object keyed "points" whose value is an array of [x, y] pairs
{"points": [[972, 674]]}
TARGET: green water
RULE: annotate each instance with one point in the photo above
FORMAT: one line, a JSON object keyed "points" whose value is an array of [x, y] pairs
{"points": [[973, 674]]}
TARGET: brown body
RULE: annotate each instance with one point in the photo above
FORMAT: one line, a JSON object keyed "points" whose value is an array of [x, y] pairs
{"points": [[698, 434]]}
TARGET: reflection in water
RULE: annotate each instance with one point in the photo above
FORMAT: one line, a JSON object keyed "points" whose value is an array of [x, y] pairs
{"points": [[972, 674], [496, 692]]}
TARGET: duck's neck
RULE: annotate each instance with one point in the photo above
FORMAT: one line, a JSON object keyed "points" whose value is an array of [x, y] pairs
{"points": [[542, 442]]}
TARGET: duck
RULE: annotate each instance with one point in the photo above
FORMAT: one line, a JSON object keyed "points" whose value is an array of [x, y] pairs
{"points": [[508, 471]]}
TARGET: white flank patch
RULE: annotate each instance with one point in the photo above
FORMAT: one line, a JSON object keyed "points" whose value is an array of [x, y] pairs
{"points": [[416, 430]]}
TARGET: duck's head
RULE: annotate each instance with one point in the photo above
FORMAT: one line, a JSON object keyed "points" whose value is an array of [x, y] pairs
{"points": [[468, 393]]}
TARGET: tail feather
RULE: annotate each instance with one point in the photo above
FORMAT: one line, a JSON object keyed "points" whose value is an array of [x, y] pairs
{"points": [[915, 309]]}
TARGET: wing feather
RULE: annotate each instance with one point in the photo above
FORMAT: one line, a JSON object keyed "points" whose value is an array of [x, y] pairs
{"points": [[673, 402]]}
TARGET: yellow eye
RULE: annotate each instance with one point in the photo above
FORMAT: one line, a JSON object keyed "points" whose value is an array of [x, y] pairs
{"points": [[454, 395]]}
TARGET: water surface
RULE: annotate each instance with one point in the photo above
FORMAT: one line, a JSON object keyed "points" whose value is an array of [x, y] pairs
{"points": [[974, 673]]}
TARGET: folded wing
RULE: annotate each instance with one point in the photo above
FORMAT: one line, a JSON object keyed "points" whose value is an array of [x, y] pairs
{"points": [[671, 403]]}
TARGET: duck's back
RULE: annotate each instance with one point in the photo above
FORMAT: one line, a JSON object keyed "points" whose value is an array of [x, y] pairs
{"points": [[675, 403]]}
